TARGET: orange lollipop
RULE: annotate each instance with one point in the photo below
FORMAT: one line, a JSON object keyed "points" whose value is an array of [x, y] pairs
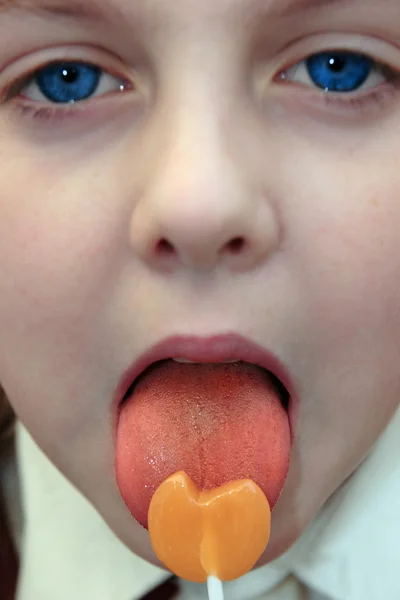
{"points": [[220, 532]]}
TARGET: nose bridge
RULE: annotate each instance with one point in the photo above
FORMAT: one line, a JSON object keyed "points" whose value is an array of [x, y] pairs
{"points": [[190, 141], [196, 169], [198, 205]]}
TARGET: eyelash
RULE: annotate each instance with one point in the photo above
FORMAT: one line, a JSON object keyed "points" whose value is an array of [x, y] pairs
{"points": [[52, 111], [59, 112], [377, 95]]}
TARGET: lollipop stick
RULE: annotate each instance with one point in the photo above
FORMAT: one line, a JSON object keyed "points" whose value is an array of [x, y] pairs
{"points": [[215, 589]]}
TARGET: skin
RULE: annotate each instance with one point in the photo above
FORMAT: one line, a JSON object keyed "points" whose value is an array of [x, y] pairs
{"points": [[209, 148]]}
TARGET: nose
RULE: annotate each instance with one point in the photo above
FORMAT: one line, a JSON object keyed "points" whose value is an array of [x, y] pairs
{"points": [[199, 207]]}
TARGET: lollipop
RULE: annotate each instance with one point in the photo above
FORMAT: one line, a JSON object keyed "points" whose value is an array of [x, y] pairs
{"points": [[219, 533]]}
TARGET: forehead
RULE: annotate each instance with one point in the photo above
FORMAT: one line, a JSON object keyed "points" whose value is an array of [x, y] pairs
{"points": [[272, 7]]}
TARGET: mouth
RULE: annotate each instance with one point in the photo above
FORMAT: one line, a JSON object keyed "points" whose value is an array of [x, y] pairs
{"points": [[230, 348], [280, 389], [217, 408]]}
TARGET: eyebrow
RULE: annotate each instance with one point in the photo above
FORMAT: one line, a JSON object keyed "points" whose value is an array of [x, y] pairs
{"points": [[96, 9], [78, 9]]}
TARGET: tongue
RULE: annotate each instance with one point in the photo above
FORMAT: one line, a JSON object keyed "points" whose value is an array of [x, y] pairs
{"points": [[216, 422]]}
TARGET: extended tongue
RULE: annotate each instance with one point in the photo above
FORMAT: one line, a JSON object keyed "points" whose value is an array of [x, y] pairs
{"points": [[216, 422]]}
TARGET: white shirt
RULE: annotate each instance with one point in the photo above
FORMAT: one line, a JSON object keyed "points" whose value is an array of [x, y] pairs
{"points": [[350, 552]]}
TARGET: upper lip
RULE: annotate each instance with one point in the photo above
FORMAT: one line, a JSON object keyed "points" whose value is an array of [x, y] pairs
{"points": [[213, 349]]}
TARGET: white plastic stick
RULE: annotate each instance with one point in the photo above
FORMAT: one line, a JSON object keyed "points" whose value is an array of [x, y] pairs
{"points": [[215, 589]]}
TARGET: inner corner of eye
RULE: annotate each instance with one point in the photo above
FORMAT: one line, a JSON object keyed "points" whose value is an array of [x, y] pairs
{"points": [[288, 71]]}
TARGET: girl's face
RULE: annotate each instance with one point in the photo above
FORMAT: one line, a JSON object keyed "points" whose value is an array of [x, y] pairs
{"points": [[202, 182]]}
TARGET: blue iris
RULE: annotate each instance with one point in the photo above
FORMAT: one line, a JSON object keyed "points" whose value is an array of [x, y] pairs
{"points": [[68, 81], [339, 71]]}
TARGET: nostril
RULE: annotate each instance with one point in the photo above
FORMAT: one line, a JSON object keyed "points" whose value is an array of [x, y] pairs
{"points": [[236, 245], [164, 247]]}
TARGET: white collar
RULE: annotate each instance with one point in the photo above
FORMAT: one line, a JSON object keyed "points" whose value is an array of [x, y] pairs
{"points": [[350, 552]]}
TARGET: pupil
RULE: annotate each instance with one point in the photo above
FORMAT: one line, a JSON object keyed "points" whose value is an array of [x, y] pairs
{"points": [[70, 74], [337, 64]]}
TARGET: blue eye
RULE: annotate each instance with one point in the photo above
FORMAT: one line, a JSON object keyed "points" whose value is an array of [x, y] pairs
{"points": [[68, 82], [339, 71]]}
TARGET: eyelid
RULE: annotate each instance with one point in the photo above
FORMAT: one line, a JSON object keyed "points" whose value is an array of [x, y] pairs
{"points": [[23, 69], [377, 74], [27, 88], [381, 51]]}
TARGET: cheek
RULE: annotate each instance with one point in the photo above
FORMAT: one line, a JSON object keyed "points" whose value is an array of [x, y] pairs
{"points": [[63, 222], [57, 256], [346, 258], [353, 263], [48, 236], [343, 238]]}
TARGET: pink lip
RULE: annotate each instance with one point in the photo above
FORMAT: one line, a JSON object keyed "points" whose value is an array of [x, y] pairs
{"points": [[214, 349]]}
